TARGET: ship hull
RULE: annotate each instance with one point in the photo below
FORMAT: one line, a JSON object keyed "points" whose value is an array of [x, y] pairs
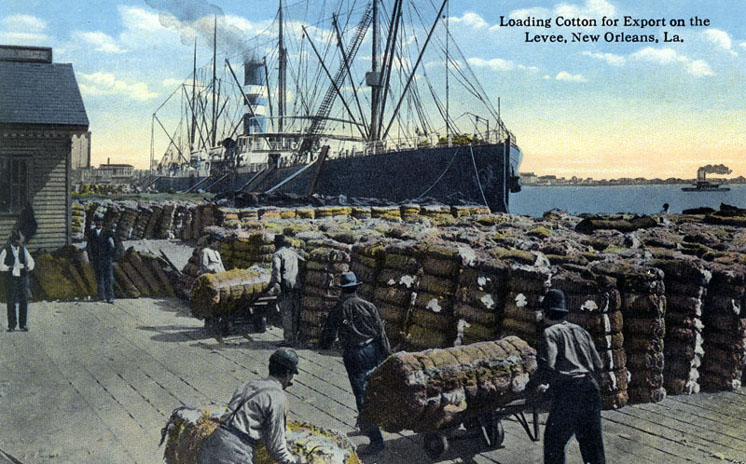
{"points": [[480, 174]]}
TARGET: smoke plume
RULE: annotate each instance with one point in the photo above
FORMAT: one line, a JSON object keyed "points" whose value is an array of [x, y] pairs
{"points": [[197, 18], [716, 169]]}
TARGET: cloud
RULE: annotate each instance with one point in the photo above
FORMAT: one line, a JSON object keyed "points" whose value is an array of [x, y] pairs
{"points": [[566, 76], [470, 19], [498, 64], [609, 58], [721, 39], [100, 41], [102, 83], [668, 56], [23, 29], [22, 22], [743, 44]]}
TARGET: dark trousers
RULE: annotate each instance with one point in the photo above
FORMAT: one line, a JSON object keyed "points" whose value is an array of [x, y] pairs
{"points": [[17, 293], [576, 410], [359, 362], [289, 303], [105, 280]]}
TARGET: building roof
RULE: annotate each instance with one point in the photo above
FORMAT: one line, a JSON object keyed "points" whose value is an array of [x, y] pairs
{"points": [[40, 93]]}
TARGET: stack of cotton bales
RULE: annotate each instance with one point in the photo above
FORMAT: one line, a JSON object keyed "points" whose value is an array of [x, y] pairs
{"points": [[481, 297], [686, 281], [527, 285], [724, 333], [155, 216], [78, 222], [165, 221], [436, 212], [385, 212], [432, 322], [429, 390], [396, 285], [594, 304], [248, 249], [325, 263], [644, 308], [366, 261], [127, 221], [141, 221], [361, 212], [410, 212]]}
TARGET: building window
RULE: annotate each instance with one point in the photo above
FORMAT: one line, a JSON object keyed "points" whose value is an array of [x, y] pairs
{"points": [[15, 181]]}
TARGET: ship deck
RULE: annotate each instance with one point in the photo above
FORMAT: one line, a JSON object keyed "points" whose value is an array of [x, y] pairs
{"points": [[92, 382]]}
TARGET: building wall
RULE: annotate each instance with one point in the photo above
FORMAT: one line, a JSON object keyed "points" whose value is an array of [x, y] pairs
{"points": [[50, 184]]}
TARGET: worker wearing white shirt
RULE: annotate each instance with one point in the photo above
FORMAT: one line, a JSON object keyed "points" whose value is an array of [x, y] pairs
{"points": [[17, 262]]}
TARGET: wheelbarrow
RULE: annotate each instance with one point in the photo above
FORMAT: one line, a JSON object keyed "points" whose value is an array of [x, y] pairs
{"points": [[488, 427]]}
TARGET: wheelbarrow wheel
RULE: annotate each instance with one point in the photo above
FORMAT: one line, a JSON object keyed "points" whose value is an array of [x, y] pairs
{"points": [[435, 444], [495, 432]]}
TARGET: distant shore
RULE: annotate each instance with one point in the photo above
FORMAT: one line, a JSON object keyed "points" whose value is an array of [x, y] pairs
{"points": [[543, 181]]}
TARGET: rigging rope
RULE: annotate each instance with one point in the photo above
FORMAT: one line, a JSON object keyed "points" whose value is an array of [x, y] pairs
{"points": [[440, 176], [476, 172]]}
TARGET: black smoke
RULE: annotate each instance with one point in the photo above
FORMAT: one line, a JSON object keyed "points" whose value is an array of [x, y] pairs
{"points": [[197, 18]]}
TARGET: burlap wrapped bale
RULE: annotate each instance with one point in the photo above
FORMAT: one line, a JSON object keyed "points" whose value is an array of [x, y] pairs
{"points": [[188, 428], [527, 285], [724, 331], [685, 281], [594, 303], [400, 272], [428, 390], [325, 263], [366, 261], [78, 222], [480, 300], [225, 292]]}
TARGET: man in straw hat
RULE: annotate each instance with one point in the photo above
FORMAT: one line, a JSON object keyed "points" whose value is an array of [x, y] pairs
{"points": [[362, 334], [285, 283], [569, 364], [17, 262], [255, 413]]}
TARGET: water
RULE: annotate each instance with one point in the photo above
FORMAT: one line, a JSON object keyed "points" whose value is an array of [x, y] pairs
{"points": [[636, 199]]}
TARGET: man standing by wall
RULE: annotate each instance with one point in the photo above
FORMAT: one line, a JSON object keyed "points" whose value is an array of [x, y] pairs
{"points": [[285, 283], [362, 333], [101, 248], [17, 262], [570, 365]]}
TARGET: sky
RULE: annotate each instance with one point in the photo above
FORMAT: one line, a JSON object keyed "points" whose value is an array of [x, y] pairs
{"points": [[605, 109]]}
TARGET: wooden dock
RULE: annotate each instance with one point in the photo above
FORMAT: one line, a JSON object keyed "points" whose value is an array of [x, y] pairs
{"points": [[94, 383]]}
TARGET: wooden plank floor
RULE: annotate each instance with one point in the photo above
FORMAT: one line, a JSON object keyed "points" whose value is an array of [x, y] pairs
{"points": [[94, 383]]}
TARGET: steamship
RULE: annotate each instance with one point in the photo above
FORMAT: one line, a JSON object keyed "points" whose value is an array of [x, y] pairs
{"points": [[337, 123]]}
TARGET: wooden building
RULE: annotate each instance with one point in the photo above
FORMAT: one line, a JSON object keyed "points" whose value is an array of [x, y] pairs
{"points": [[40, 111]]}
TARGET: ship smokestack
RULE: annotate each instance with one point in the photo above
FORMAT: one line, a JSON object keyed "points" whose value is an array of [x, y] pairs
{"points": [[712, 169], [255, 90]]}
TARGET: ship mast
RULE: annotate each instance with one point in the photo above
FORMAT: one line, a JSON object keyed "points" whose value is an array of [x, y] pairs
{"points": [[448, 90], [374, 80], [282, 73], [194, 82], [214, 56]]}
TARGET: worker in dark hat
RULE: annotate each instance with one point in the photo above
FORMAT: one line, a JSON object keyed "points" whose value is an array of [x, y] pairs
{"points": [[362, 334], [101, 247], [570, 366], [256, 413], [286, 284], [17, 262]]}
